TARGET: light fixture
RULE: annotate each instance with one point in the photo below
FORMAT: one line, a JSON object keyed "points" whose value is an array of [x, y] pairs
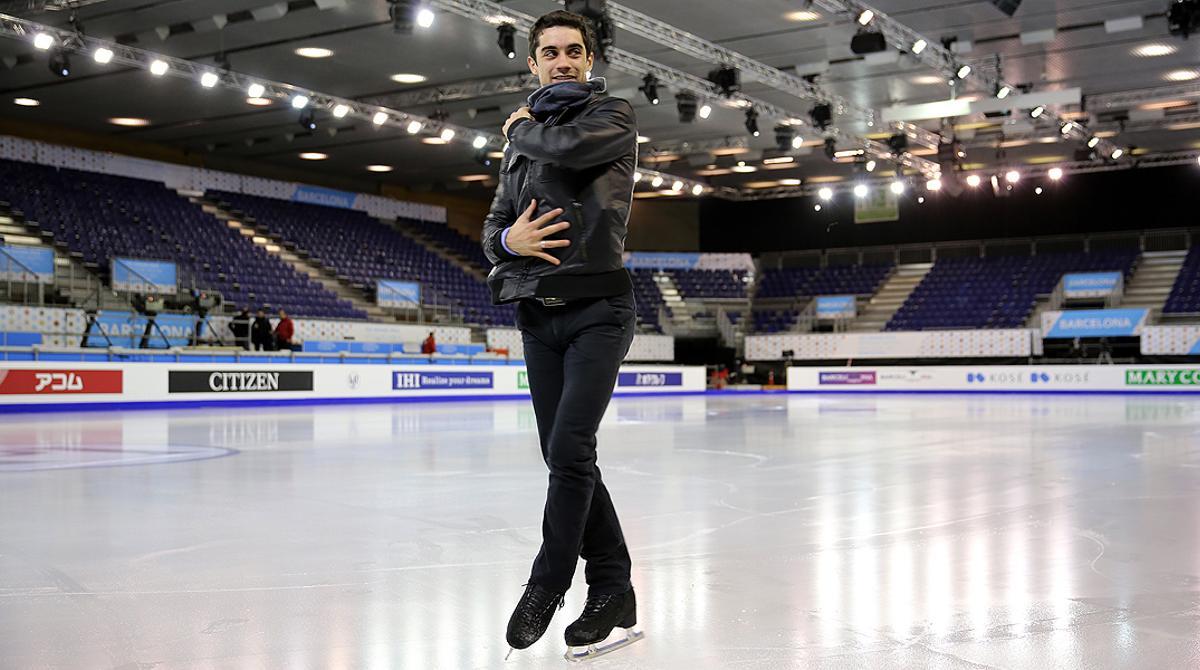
{"points": [[705, 111], [685, 105], [158, 68], [314, 156], [752, 121], [963, 72], [697, 189], [299, 101], [60, 63], [933, 185], [642, 139], [408, 78], [129, 122], [256, 90], [447, 134], [43, 41], [825, 193], [1092, 142], [380, 118], [797, 142], [1037, 111], [1055, 174], [974, 181], [779, 160], [1117, 153], [742, 168], [308, 120], [1181, 75], [865, 17], [209, 79], [919, 46], [861, 190], [425, 17], [340, 111], [657, 181], [817, 207], [803, 15], [479, 142], [1003, 91], [414, 127], [637, 176], [871, 165], [1037, 191], [507, 40], [102, 55], [380, 168], [314, 52], [26, 102], [677, 186], [649, 88], [897, 187], [1153, 50], [1012, 176], [1067, 128], [920, 200], [789, 182], [258, 102]]}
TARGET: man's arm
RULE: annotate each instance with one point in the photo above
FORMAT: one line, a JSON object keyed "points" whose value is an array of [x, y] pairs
{"points": [[497, 221], [602, 135]]}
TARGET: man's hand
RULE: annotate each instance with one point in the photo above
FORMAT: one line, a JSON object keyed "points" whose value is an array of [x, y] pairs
{"points": [[522, 113], [527, 237]]}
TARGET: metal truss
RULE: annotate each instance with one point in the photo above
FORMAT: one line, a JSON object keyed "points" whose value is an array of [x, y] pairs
{"points": [[697, 47], [697, 146], [495, 14], [464, 90], [34, 6], [23, 29], [1125, 99], [941, 59]]}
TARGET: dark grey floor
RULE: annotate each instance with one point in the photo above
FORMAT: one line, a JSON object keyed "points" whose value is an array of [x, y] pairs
{"points": [[767, 532]]}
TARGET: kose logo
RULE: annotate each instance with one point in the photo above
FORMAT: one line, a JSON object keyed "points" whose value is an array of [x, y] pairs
{"points": [[652, 379], [237, 381], [14, 382]]}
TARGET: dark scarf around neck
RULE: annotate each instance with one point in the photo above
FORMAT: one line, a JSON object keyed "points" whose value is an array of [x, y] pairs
{"points": [[553, 99]]}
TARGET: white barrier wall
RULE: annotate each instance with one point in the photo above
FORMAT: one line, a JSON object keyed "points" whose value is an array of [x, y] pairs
{"points": [[657, 348], [23, 385], [918, 344], [997, 378], [24, 319], [360, 331], [1171, 340]]}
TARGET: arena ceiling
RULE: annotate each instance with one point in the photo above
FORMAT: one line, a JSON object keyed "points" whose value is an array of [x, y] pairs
{"points": [[1139, 84]]}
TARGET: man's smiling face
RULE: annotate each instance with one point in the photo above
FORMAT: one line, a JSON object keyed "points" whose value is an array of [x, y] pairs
{"points": [[561, 56]]}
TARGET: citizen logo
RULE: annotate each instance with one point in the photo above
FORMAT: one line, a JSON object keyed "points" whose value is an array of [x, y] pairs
{"points": [[238, 381], [243, 381]]}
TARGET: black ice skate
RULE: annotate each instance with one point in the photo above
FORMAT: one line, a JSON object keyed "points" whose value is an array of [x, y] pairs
{"points": [[532, 615], [588, 636]]}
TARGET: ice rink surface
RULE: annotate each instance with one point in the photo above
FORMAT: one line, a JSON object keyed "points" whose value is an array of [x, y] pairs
{"points": [[779, 531]]}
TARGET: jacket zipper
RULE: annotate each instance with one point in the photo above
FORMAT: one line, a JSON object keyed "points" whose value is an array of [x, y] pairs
{"points": [[582, 231]]}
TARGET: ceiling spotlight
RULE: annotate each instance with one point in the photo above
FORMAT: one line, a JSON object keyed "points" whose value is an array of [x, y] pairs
{"points": [[299, 101], [1037, 191], [447, 134], [784, 136], [974, 181], [797, 142], [861, 190], [727, 78], [479, 142], [408, 78], [677, 186], [657, 181], [380, 118], [752, 121], [933, 185], [685, 104], [697, 189], [380, 168], [314, 156], [507, 40], [308, 120], [789, 182], [1067, 128], [1055, 174], [1152, 50], [414, 127], [865, 17], [43, 41], [649, 88], [821, 115], [742, 168], [258, 102], [209, 79], [256, 90], [129, 122], [483, 158], [919, 46], [817, 207], [340, 111], [1002, 91], [920, 200], [1037, 111], [637, 176], [871, 164], [705, 111], [103, 55], [963, 72], [1092, 142], [26, 102], [897, 187], [825, 193], [60, 63], [158, 68], [1012, 176], [425, 17], [314, 52], [1117, 153]]}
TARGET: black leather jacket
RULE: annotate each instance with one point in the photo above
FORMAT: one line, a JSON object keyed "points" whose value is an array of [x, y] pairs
{"points": [[584, 164]]}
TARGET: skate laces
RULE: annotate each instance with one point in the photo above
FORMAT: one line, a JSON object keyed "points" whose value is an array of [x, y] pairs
{"points": [[536, 602], [595, 605]]}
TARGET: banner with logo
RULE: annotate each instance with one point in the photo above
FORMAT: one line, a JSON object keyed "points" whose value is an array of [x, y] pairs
{"points": [[893, 345], [316, 195], [239, 381], [1094, 323], [836, 307], [417, 380], [392, 293], [59, 381], [143, 276], [125, 329], [879, 205], [998, 379], [27, 264], [1090, 285], [1182, 340]]}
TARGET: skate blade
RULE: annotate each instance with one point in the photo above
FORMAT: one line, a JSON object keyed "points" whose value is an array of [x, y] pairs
{"points": [[610, 644]]}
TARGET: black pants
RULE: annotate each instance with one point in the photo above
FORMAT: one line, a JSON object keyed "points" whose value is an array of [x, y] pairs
{"points": [[572, 353]]}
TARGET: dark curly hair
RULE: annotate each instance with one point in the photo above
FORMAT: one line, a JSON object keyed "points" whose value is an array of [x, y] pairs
{"points": [[565, 19]]}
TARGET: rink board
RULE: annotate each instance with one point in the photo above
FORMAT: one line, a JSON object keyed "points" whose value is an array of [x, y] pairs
{"points": [[34, 386], [997, 379]]}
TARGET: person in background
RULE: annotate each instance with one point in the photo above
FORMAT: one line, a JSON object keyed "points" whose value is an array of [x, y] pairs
{"points": [[260, 332], [240, 327], [284, 330], [429, 346]]}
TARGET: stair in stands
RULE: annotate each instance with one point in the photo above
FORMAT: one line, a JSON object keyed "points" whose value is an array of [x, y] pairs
{"points": [[890, 297], [275, 245], [465, 264], [1152, 281]]}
